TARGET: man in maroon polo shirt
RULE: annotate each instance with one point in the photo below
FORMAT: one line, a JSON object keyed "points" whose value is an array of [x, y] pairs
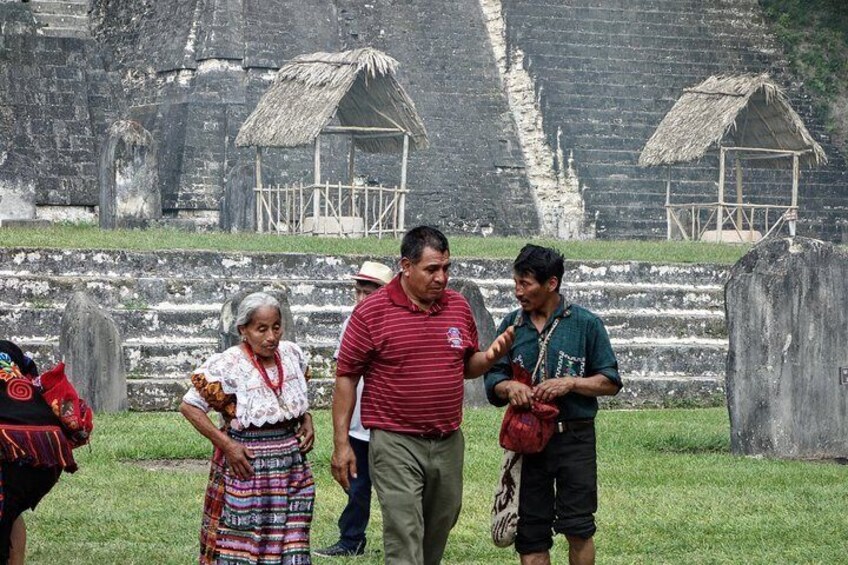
{"points": [[414, 341]]}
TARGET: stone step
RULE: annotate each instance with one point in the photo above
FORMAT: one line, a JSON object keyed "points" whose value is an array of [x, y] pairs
{"points": [[52, 7], [63, 21], [292, 268], [315, 324], [131, 292], [36, 291], [193, 322], [76, 33], [175, 358], [323, 325], [668, 391], [663, 391]]}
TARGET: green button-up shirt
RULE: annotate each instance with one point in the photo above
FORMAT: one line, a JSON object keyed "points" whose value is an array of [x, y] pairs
{"points": [[578, 347]]}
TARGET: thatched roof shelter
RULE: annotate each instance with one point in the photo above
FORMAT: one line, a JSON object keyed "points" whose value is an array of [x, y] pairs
{"points": [[750, 111], [358, 86]]}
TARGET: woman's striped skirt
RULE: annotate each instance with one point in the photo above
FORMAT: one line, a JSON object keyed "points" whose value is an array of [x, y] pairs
{"points": [[264, 519]]}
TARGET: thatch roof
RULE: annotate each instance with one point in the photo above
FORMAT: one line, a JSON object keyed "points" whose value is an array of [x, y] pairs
{"points": [[743, 111], [358, 87]]}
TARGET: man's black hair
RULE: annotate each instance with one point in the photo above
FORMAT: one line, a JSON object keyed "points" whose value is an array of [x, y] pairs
{"points": [[541, 262], [416, 239]]}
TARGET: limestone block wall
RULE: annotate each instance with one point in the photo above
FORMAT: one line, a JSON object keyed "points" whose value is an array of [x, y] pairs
{"points": [[472, 175], [595, 79], [606, 72], [55, 102], [203, 64]]}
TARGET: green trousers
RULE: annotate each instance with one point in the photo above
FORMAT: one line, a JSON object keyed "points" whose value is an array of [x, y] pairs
{"points": [[419, 485]]}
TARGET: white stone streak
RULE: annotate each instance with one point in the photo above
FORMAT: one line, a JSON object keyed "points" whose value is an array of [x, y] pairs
{"points": [[556, 195]]}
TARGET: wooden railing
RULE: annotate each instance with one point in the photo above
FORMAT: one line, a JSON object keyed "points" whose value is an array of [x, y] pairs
{"points": [[711, 221], [331, 209]]}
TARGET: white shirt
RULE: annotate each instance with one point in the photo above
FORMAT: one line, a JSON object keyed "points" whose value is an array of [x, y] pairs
{"points": [[356, 429]]}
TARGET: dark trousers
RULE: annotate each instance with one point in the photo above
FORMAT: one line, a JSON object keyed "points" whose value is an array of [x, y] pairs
{"points": [[559, 490], [21, 488], [355, 516]]}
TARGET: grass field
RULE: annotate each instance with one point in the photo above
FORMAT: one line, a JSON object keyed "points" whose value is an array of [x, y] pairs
{"points": [[670, 493], [84, 236]]}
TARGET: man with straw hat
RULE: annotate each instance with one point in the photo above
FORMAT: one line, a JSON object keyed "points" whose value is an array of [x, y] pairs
{"points": [[354, 518]]}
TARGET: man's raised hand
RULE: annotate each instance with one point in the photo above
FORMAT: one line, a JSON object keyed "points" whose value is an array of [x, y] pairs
{"points": [[501, 344]]}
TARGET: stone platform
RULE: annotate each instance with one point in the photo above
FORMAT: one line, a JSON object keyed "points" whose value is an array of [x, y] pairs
{"points": [[666, 322]]}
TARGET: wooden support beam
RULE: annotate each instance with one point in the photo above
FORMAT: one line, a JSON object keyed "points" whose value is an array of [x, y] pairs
{"points": [[402, 202]]}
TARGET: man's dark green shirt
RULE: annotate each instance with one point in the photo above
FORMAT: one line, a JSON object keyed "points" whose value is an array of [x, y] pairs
{"points": [[579, 347]]}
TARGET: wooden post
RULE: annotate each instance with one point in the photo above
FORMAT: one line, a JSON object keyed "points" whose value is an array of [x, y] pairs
{"points": [[738, 194], [796, 173], [720, 207], [326, 205], [402, 201], [350, 159], [258, 192], [316, 191], [380, 214], [367, 220], [668, 202]]}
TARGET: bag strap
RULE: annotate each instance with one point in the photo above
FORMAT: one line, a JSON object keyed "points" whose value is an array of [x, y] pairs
{"points": [[543, 353]]}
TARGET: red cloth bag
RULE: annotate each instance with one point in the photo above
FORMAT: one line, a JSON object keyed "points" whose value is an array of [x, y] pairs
{"points": [[76, 416], [527, 430]]}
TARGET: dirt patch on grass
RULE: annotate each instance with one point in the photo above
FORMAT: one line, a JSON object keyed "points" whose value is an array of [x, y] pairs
{"points": [[181, 465]]}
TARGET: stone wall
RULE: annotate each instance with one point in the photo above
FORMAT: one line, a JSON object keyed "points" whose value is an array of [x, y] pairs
{"points": [[608, 71], [55, 102], [596, 78]]}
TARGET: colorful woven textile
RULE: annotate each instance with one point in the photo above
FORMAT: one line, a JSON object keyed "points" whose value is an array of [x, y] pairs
{"points": [[266, 518]]}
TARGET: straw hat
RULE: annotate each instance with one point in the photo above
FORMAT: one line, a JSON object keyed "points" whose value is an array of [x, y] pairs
{"points": [[374, 272]]}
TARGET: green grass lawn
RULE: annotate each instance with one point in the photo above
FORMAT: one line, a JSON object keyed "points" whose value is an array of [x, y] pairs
{"points": [[670, 493], [84, 236]]}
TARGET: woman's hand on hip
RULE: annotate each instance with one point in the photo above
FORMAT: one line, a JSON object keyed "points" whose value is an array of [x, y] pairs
{"points": [[306, 434], [238, 456]]}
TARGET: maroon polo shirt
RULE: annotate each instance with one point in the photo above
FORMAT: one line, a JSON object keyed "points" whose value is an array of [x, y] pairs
{"points": [[413, 361]]}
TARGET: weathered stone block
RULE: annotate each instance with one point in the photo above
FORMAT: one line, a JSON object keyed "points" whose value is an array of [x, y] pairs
{"points": [[787, 316], [91, 347], [129, 182], [238, 207], [17, 199], [475, 394]]}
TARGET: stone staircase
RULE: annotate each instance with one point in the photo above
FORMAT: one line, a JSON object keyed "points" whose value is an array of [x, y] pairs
{"points": [[666, 322], [65, 18]]}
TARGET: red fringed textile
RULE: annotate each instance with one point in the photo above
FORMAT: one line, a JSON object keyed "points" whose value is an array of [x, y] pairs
{"points": [[39, 446], [72, 411]]}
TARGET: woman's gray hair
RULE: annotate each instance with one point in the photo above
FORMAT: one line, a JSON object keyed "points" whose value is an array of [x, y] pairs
{"points": [[253, 302]]}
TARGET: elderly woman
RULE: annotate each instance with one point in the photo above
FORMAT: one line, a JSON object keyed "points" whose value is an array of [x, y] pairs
{"points": [[259, 500]]}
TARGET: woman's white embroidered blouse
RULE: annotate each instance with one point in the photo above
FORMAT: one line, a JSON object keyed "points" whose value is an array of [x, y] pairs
{"points": [[256, 404]]}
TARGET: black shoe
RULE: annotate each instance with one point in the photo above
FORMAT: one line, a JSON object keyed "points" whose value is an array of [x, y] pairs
{"points": [[339, 550]]}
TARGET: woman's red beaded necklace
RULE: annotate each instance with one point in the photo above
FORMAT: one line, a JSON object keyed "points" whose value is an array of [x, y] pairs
{"points": [[276, 388]]}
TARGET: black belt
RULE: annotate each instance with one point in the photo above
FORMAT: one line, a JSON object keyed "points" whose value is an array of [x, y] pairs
{"points": [[283, 425], [566, 425], [434, 435]]}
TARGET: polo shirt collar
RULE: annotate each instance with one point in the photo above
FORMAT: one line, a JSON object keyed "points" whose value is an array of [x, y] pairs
{"points": [[399, 297], [563, 310]]}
